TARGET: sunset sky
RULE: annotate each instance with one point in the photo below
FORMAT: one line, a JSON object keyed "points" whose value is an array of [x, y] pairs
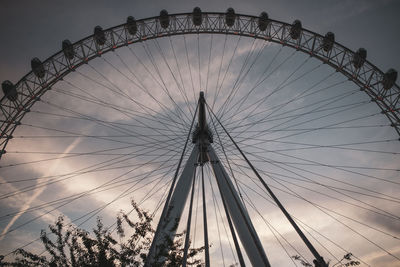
{"points": [[100, 114]]}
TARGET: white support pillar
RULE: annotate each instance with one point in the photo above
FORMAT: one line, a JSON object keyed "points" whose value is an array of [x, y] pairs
{"points": [[168, 225], [243, 225]]}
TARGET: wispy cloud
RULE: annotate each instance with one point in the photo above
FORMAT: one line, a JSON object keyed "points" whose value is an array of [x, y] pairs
{"points": [[39, 189]]}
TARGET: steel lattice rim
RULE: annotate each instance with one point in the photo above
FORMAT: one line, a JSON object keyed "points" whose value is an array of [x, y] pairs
{"points": [[30, 88]]}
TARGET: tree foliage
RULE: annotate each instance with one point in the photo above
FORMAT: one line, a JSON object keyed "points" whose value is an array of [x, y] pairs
{"points": [[346, 261], [71, 246]]}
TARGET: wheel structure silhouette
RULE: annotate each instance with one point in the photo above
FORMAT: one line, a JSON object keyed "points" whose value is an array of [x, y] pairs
{"points": [[296, 121]]}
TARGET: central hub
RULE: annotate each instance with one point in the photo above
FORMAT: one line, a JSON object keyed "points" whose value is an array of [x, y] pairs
{"points": [[202, 135]]}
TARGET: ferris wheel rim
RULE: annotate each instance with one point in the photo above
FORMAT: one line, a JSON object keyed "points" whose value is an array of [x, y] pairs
{"points": [[37, 98], [12, 112]]}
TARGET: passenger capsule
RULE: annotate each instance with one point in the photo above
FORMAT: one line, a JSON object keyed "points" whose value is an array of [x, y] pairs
{"points": [[230, 17], [389, 79], [359, 57], [37, 67], [328, 41], [295, 30], [263, 21], [164, 19], [131, 25], [68, 49], [99, 35], [197, 16], [9, 90]]}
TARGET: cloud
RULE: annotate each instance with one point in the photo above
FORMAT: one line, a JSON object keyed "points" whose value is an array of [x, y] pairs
{"points": [[389, 224], [37, 191], [123, 121]]}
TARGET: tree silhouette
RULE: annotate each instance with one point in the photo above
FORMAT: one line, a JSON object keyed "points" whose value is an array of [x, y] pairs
{"points": [[346, 261], [73, 247]]}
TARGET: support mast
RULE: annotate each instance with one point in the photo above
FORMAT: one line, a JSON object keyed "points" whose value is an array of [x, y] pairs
{"points": [[203, 153]]}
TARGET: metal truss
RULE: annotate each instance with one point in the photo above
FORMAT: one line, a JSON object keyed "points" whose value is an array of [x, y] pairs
{"points": [[30, 88]]}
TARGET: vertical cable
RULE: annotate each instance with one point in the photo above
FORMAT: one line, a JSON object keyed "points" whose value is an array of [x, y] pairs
{"points": [[317, 256], [165, 209], [189, 221], [206, 246], [235, 241]]}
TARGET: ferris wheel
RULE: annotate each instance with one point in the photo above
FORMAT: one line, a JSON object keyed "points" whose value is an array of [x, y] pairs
{"points": [[259, 138]]}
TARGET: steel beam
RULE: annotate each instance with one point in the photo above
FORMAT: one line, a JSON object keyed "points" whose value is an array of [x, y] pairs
{"points": [[168, 225], [243, 225]]}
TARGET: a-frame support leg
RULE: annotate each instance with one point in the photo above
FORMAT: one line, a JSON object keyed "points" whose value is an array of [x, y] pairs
{"points": [[168, 224], [243, 225]]}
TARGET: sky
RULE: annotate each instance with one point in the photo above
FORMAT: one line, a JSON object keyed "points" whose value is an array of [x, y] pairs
{"points": [[36, 28]]}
